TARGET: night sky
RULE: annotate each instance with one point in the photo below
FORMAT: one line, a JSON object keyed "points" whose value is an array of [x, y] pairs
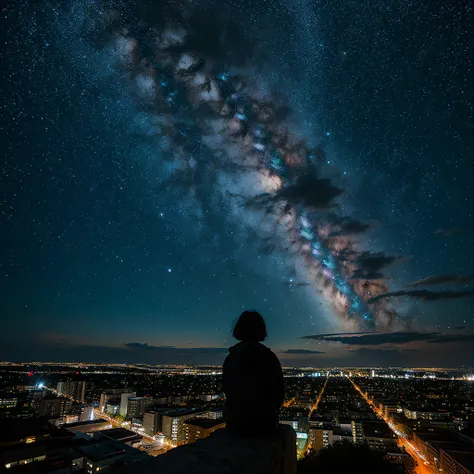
{"points": [[164, 167]]}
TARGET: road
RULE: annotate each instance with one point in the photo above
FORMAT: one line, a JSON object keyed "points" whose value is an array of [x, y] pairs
{"points": [[316, 403], [422, 464], [313, 409], [289, 402]]}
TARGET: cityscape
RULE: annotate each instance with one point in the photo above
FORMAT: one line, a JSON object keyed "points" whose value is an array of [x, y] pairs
{"points": [[236, 237], [86, 418]]}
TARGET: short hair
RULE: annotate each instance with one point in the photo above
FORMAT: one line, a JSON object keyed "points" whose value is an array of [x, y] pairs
{"points": [[250, 327]]}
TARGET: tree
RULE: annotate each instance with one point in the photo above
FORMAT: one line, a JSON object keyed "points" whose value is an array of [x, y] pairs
{"points": [[348, 457]]}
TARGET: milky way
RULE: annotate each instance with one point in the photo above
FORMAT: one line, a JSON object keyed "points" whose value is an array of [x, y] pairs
{"points": [[221, 128]]}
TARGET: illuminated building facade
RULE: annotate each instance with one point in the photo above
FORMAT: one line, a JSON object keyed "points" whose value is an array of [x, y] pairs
{"points": [[75, 389], [174, 420], [111, 393], [124, 397], [54, 407], [136, 406], [201, 428]]}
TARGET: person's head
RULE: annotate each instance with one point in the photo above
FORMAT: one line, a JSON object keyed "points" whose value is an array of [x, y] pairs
{"points": [[250, 327]]}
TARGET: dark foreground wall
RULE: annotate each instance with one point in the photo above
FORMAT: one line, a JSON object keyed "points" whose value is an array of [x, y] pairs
{"points": [[222, 453]]}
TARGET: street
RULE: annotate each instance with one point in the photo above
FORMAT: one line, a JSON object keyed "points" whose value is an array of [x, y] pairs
{"points": [[422, 464]]}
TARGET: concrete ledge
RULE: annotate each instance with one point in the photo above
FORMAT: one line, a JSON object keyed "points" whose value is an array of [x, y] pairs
{"points": [[224, 453]]}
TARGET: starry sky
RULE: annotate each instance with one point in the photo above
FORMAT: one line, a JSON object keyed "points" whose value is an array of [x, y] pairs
{"points": [[165, 167]]}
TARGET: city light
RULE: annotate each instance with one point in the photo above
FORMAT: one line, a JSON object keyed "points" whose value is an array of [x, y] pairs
{"points": [[318, 401]]}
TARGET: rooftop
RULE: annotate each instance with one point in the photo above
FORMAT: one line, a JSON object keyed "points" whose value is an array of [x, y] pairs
{"points": [[15, 430], [183, 411], [85, 423], [205, 423], [119, 434], [223, 453], [103, 450]]}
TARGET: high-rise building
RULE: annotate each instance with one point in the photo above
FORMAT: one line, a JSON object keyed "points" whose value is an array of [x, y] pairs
{"points": [[8, 404], [110, 393], [201, 428], [357, 432], [152, 422], [153, 419], [422, 414], [75, 389], [104, 397], [136, 406], [8, 401], [54, 407], [87, 414], [174, 420], [79, 412], [124, 402], [320, 438]]}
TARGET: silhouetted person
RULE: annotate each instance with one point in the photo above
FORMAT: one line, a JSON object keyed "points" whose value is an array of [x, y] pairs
{"points": [[253, 380]]}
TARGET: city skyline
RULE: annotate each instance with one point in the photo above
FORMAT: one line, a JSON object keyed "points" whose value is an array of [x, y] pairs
{"points": [[407, 349], [417, 419]]}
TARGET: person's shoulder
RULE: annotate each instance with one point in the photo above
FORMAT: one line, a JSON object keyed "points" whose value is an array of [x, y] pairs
{"points": [[270, 354], [275, 359], [229, 355]]}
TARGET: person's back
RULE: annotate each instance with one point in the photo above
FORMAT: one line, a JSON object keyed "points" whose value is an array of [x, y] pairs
{"points": [[253, 380]]}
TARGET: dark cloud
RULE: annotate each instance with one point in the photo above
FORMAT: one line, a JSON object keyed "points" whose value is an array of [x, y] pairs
{"points": [[425, 295], [311, 191], [448, 232], [348, 226], [453, 338], [370, 264], [444, 279], [378, 352], [300, 352], [400, 337], [337, 334], [308, 190], [363, 274], [374, 339], [375, 260], [178, 350], [139, 345]]}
